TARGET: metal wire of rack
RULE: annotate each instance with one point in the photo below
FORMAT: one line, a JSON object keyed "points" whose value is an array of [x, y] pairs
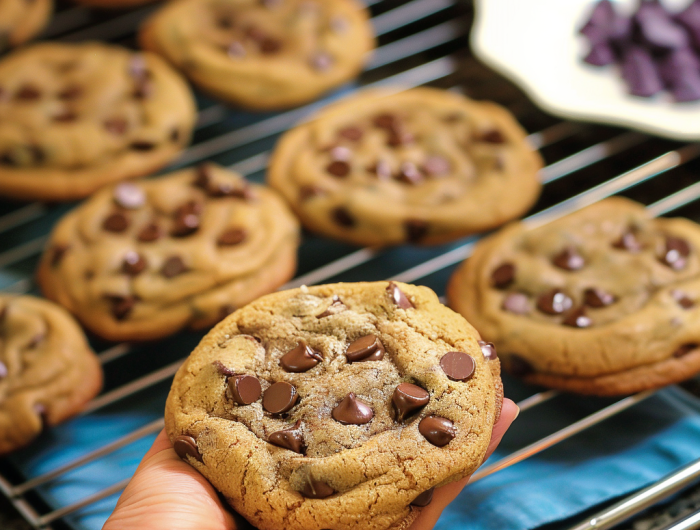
{"points": [[421, 42]]}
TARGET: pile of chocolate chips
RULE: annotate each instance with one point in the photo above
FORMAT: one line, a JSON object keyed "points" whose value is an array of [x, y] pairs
{"points": [[654, 48]]}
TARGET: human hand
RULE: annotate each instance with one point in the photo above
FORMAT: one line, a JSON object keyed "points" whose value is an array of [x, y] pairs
{"points": [[167, 493]]}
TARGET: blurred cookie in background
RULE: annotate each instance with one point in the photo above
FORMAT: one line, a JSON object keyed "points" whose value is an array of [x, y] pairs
{"points": [[21, 20], [113, 4], [74, 117]]}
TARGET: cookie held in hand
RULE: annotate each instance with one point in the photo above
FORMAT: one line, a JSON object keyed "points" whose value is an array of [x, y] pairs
{"points": [[339, 418], [603, 301], [422, 166], [143, 260], [47, 370]]}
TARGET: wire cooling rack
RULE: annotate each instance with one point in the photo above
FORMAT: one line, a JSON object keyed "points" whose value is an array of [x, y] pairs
{"points": [[72, 475]]}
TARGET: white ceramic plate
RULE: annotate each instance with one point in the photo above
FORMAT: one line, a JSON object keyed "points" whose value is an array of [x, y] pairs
{"points": [[536, 43]]}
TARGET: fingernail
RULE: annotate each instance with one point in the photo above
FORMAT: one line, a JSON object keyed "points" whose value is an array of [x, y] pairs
{"points": [[517, 413]]}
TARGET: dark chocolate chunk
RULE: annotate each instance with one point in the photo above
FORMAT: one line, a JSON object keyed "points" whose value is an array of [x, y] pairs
{"points": [[187, 446], [367, 348], [57, 254], [316, 489], [133, 263], [410, 174], [280, 397], [129, 196], [142, 145], [352, 133], [66, 116], [122, 305], [554, 302], [336, 306], [569, 259], [338, 168], [493, 136], [186, 219], [352, 411], [116, 222], [232, 236], [175, 135], [291, 438], [629, 241], [578, 319], [517, 303], [70, 93], [149, 233], [424, 498], [676, 250], [385, 121], [245, 389], [519, 366], [343, 217], [489, 350], [457, 365], [300, 359], [685, 350], [503, 275], [682, 299], [436, 166], [28, 93], [116, 126], [416, 229], [173, 266], [438, 431], [398, 297], [595, 297], [409, 398], [269, 46]]}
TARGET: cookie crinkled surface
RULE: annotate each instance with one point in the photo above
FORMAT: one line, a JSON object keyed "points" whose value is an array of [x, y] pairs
{"points": [[336, 406]]}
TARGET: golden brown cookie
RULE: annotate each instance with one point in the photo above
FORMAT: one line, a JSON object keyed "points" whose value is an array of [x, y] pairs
{"points": [[603, 301], [74, 117], [424, 166], [338, 406], [21, 20], [142, 260], [47, 370], [263, 54]]}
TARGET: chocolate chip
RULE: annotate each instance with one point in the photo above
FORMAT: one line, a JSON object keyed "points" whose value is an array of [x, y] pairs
{"points": [[343, 217], [517, 303], [519, 366], [628, 241], [245, 389], [385, 121], [57, 254], [223, 369], [116, 222], [409, 173], [280, 397], [129, 196], [416, 230], [142, 145], [65, 117], [336, 306], [187, 446], [399, 136], [291, 438], [116, 126], [149, 233], [133, 263], [225, 22], [685, 350], [321, 61], [595, 297], [316, 489], [398, 297], [352, 133], [381, 170], [70, 93], [28, 93], [457, 365], [436, 166], [494, 136], [367, 348], [338, 168], [438, 431], [232, 236], [308, 192], [554, 302], [3, 370], [269, 46], [175, 135], [424, 498], [352, 411], [37, 153], [489, 350], [675, 252], [122, 305], [578, 319], [503, 275], [173, 266], [300, 359], [569, 259], [409, 398], [682, 299], [186, 219]]}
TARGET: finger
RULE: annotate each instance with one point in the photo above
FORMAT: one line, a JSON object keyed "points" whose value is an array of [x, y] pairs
{"points": [[444, 495]]}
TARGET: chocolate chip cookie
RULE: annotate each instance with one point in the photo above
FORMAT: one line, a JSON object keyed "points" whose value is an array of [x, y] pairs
{"points": [[20, 20], [263, 54], [47, 370], [603, 301], [142, 260], [423, 166], [74, 117], [113, 4], [337, 406]]}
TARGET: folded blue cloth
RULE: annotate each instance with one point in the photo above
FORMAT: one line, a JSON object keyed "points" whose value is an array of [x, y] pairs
{"points": [[623, 454]]}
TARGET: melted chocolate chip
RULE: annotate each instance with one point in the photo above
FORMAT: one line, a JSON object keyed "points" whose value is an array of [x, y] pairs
{"points": [[116, 126], [554, 302], [245, 389], [494, 136], [597, 298], [300, 359], [436, 166], [516, 303], [187, 446], [133, 263], [438, 431], [489, 350], [57, 254], [291, 438], [682, 299], [338, 168], [503, 275], [116, 222], [398, 297], [519, 366], [66, 116], [70, 93], [186, 219], [173, 266], [458, 366], [685, 350], [280, 397], [142, 145], [424, 498], [308, 192], [232, 236], [675, 252], [385, 121], [28, 93], [337, 306], [410, 174], [343, 217], [352, 411], [352, 133], [569, 259], [129, 196], [628, 241], [416, 229], [578, 319], [316, 489], [367, 348], [122, 306], [270, 46], [149, 233], [409, 398]]}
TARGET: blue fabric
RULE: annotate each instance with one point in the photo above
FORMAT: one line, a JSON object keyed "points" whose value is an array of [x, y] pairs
{"points": [[623, 454]]}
